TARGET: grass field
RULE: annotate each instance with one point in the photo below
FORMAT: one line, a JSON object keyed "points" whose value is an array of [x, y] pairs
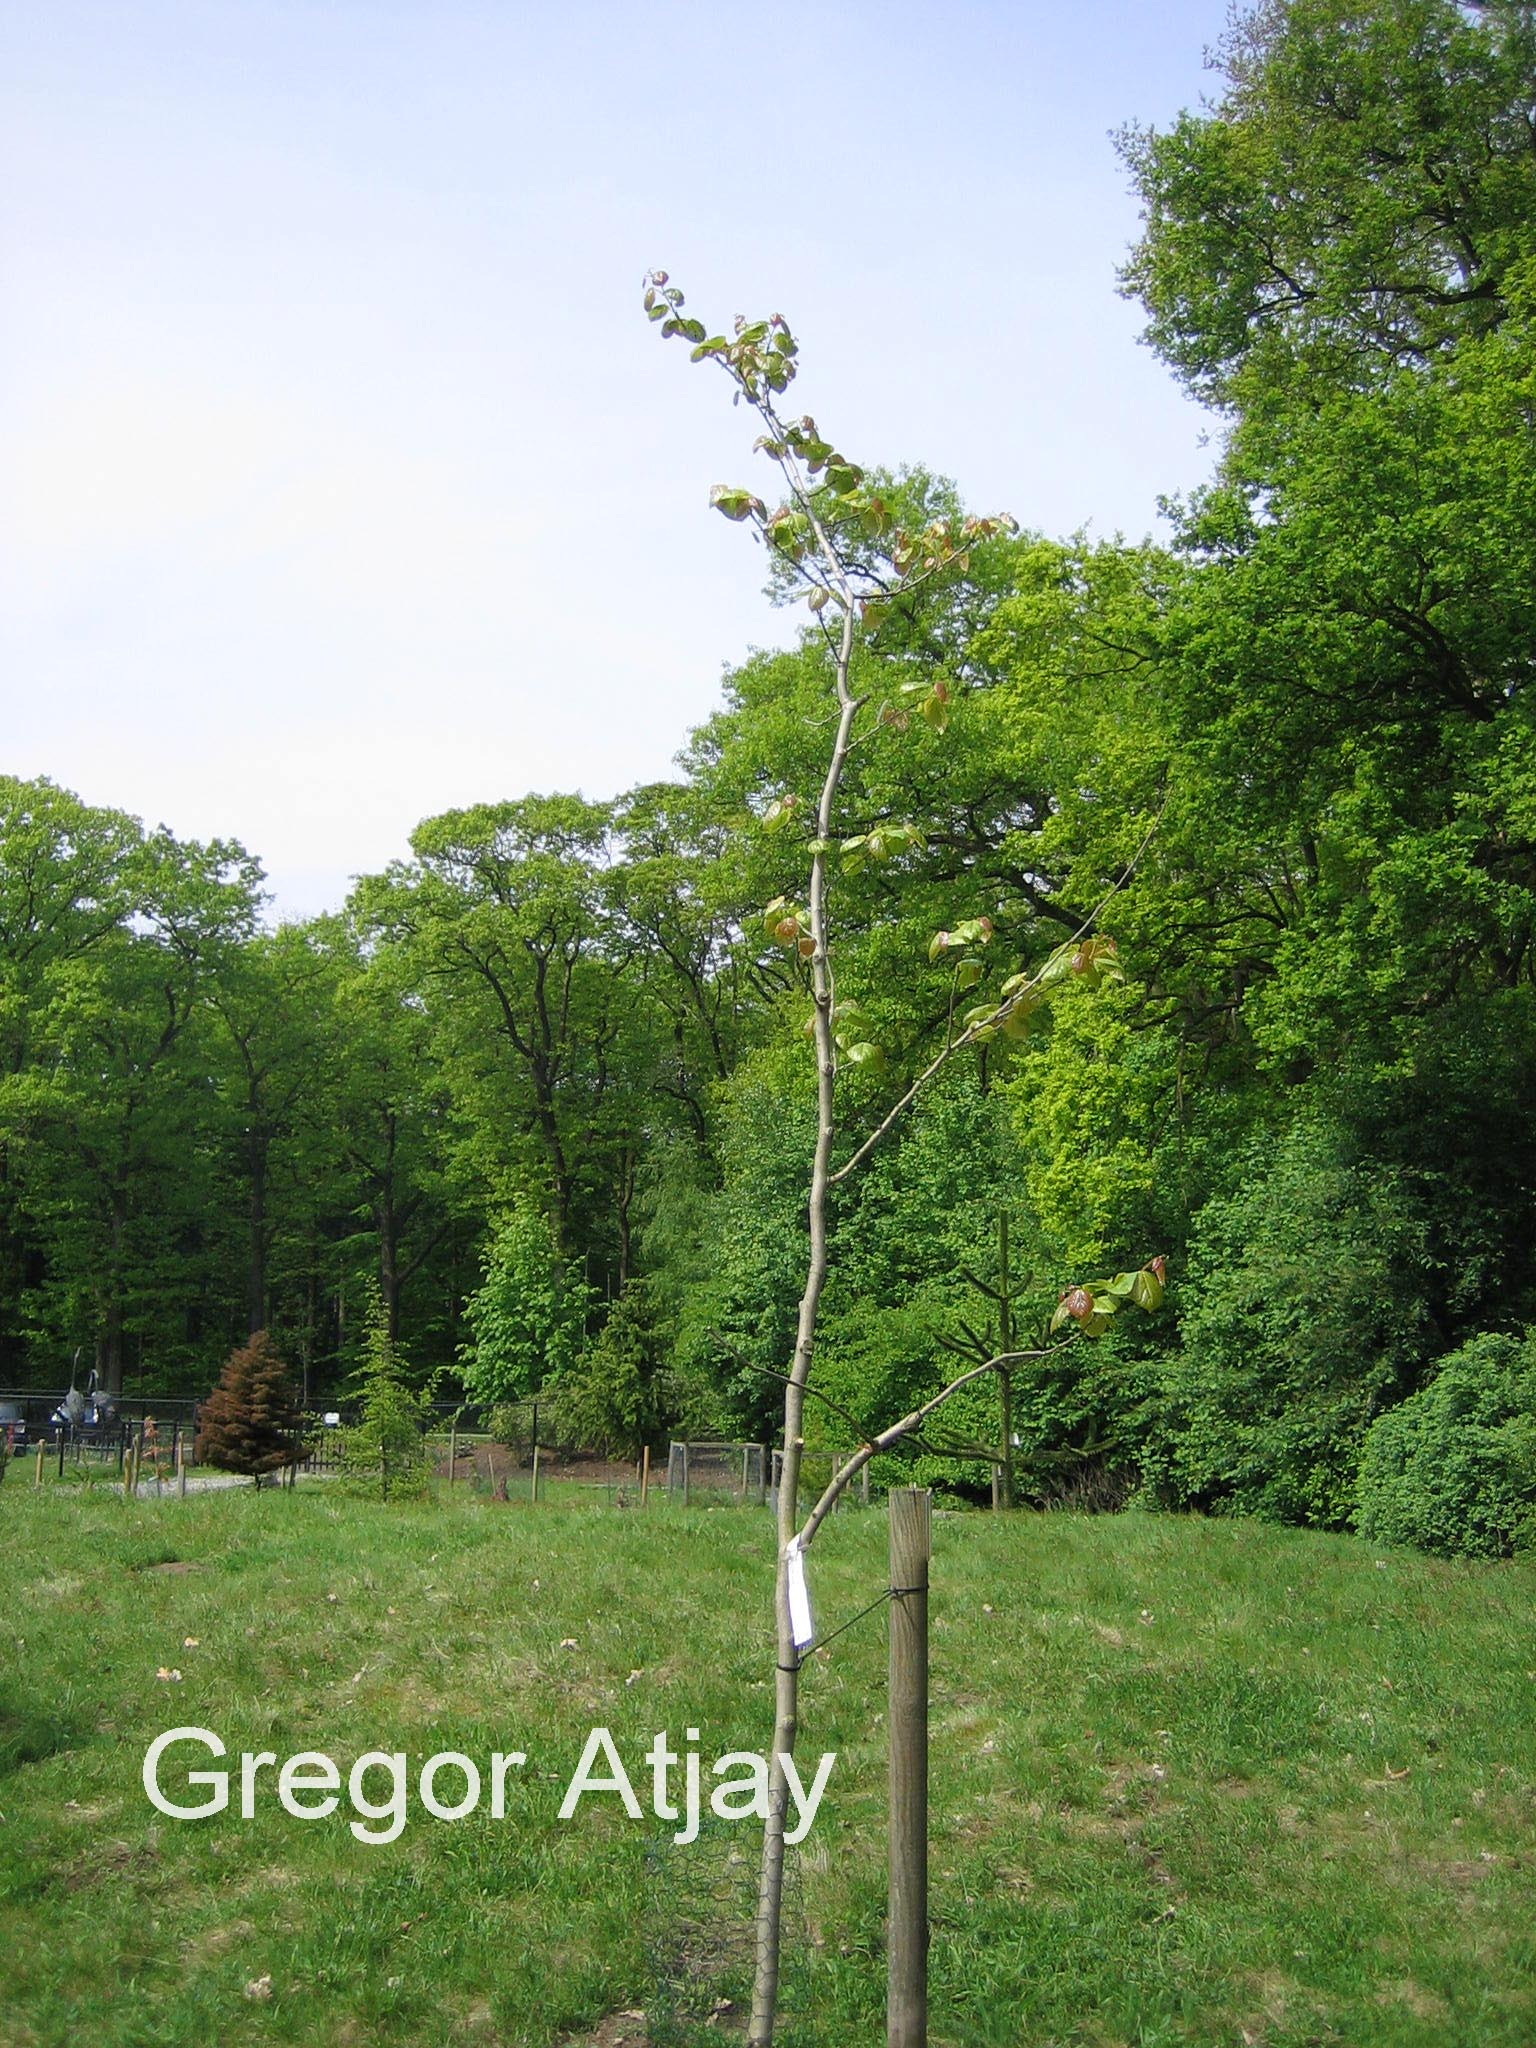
{"points": [[1193, 1782]]}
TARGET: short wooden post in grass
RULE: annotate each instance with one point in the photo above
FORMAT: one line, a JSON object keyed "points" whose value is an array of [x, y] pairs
{"points": [[38, 1480], [181, 1464], [685, 1475], [906, 2020], [645, 1472], [864, 1485]]}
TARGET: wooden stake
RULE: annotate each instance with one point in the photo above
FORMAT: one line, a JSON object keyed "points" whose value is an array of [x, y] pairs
{"points": [[906, 2013], [685, 1475], [39, 1479], [1005, 1489], [181, 1465], [645, 1473]]}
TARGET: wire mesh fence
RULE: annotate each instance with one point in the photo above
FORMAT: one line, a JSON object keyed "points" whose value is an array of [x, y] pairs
{"points": [[518, 1451], [716, 1471], [700, 1901]]}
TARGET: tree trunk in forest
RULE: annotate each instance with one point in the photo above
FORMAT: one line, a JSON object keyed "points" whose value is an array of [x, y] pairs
{"points": [[389, 1262], [256, 1252], [109, 1341]]}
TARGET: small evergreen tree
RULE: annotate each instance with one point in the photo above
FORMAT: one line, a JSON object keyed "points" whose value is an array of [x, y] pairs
{"points": [[527, 1315], [612, 1399], [385, 1450], [250, 1422]]}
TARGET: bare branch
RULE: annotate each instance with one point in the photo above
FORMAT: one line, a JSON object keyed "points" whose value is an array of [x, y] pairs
{"points": [[883, 1442]]}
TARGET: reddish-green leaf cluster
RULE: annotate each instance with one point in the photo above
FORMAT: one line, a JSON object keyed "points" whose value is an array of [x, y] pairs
{"points": [[1093, 1308]]}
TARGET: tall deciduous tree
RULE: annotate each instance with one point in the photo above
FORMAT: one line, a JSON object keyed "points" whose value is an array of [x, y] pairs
{"points": [[111, 1117], [503, 917], [1356, 200]]}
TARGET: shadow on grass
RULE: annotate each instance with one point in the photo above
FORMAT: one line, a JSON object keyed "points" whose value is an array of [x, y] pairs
{"points": [[33, 1729]]}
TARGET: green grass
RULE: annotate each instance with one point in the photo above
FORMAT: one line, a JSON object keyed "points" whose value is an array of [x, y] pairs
{"points": [[1193, 1782]]}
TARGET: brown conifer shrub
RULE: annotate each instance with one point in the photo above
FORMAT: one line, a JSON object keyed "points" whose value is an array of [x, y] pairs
{"points": [[250, 1422]]}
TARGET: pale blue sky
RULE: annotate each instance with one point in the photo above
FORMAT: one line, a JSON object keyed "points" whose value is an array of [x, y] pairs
{"points": [[341, 479]]}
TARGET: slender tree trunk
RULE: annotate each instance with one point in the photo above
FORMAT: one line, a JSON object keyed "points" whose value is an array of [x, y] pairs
{"points": [[1005, 1345], [256, 1253], [389, 1261], [765, 1989], [624, 1202], [109, 1345]]}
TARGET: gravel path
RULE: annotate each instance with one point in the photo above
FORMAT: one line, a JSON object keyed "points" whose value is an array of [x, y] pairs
{"points": [[204, 1482]]}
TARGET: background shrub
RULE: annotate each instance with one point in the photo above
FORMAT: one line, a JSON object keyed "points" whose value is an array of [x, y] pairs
{"points": [[1453, 1470]]}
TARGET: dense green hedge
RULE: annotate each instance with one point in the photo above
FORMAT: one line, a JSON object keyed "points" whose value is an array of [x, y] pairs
{"points": [[1453, 1469]]}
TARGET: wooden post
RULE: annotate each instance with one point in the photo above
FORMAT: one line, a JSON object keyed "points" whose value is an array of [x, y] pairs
{"points": [[746, 1453], [41, 1447], [864, 1484], [906, 2020], [645, 1473], [1005, 1375], [535, 1475], [685, 1475], [762, 1473], [181, 1464]]}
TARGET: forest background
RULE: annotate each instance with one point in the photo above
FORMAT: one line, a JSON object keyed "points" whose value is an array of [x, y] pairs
{"points": [[545, 1083]]}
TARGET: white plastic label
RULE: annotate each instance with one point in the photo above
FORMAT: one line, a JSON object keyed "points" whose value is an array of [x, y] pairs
{"points": [[801, 1626]]}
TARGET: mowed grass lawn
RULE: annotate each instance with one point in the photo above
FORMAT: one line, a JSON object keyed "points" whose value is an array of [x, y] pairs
{"points": [[1193, 1782]]}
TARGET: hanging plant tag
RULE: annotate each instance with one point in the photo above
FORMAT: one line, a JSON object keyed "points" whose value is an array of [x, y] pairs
{"points": [[801, 1626]]}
